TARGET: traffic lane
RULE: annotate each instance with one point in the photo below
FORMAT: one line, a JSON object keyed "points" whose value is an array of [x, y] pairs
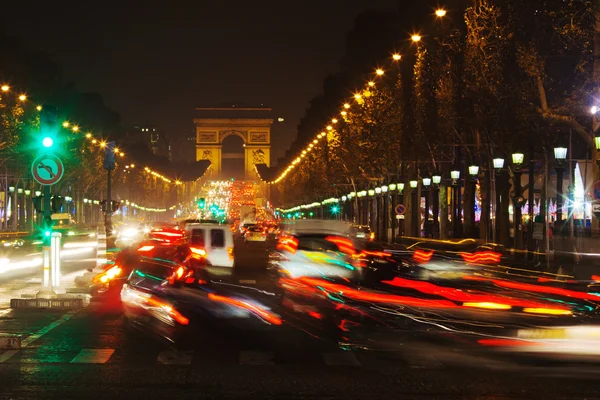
{"points": [[226, 363]]}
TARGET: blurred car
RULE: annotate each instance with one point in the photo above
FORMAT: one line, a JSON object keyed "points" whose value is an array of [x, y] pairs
{"points": [[129, 235], [170, 301], [314, 255], [255, 234]]}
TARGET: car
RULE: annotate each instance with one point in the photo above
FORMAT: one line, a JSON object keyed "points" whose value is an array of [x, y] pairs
{"points": [[169, 301], [255, 234], [213, 242], [361, 232]]}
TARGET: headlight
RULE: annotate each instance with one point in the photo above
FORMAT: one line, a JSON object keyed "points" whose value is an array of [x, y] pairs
{"points": [[130, 232]]}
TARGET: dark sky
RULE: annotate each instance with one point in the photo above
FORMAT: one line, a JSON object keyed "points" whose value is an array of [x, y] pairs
{"points": [[155, 64]]}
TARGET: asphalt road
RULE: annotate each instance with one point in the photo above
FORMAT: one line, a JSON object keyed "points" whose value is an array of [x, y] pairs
{"points": [[90, 354]]}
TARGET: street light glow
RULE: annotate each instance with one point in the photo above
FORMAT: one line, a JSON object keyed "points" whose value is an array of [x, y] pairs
{"points": [[440, 12], [357, 96], [371, 83], [66, 124], [5, 88], [75, 128], [379, 71], [594, 110], [416, 38], [396, 57], [39, 108], [334, 121], [346, 105], [22, 97]]}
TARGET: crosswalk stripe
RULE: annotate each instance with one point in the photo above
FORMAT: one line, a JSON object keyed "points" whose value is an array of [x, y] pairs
{"points": [[170, 357], [5, 356], [93, 356], [256, 357], [342, 358]]}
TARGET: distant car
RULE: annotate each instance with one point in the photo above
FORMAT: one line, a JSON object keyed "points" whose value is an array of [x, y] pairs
{"points": [[361, 232], [255, 234]]}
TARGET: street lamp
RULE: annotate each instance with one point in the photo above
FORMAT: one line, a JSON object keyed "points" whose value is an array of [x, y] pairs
{"points": [[436, 179], [473, 173], [456, 217], [560, 154], [455, 175], [426, 185], [498, 163], [473, 170], [517, 159], [415, 208]]}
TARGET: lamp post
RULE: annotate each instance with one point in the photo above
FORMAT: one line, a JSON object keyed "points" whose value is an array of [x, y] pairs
{"points": [[436, 179], [498, 214], [456, 209], [560, 154], [473, 172], [13, 212], [517, 159], [426, 226], [386, 212], [415, 208]]}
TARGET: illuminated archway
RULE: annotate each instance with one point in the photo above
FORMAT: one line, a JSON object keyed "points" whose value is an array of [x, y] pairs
{"points": [[216, 124]]}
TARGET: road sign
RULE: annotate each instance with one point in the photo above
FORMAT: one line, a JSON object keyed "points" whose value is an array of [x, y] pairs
{"points": [[596, 207], [109, 156], [47, 169], [400, 209], [597, 190]]}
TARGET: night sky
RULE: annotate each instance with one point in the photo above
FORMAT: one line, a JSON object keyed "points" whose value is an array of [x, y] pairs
{"points": [[155, 64]]}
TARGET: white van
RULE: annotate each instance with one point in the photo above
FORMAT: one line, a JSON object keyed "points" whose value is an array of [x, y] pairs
{"points": [[216, 240]]}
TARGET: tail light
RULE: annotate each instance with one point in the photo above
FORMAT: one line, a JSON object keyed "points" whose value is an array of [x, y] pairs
{"points": [[372, 237], [422, 256], [104, 277], [230, 252], [197, 252]]}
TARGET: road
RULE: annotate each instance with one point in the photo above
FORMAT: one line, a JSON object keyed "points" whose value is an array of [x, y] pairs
{"points": [[90, 354]]}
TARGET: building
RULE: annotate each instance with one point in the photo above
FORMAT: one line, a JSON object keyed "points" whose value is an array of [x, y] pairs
{"points": [[183, 147], [157, 141]]}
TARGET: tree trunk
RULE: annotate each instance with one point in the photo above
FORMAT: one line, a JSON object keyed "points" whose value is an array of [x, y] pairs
{"points": [[596, 82], [443, 195], [485, 220], [503, 214], [468, 206]]}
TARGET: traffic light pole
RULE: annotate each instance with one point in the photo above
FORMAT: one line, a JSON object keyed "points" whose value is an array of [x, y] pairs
{"points": [[108, 213], [47, 213]]}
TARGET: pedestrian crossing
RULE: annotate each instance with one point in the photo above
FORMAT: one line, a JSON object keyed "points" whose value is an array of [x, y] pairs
{"points": [[199, 358]]}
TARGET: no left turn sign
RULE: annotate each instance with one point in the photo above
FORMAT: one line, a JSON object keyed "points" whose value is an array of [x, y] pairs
{"points": [[47, 169]]}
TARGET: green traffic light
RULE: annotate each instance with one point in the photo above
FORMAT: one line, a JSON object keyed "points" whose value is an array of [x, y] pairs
{"points": [[47, 233], [47, 142]]}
